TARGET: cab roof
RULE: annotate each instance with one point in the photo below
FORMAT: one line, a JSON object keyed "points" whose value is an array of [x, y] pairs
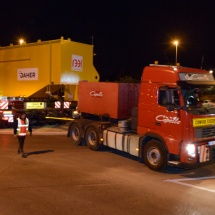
{"points": [[172, 74]]}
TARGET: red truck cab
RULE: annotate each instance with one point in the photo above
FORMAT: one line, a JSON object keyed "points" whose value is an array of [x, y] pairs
{"points": [[176, 109]]}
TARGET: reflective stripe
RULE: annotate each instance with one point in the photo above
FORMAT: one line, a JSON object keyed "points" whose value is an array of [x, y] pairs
{"points": [[66, 104], [57, 104], [3, 105], [10, 119], [22, 134]]}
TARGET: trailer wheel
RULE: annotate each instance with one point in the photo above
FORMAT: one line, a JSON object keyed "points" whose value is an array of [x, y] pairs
{"points": [[92, 139], [75, 134], [155, 156]]}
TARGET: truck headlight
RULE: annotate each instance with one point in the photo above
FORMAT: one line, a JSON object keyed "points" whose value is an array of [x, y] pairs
{"points": [[191, 150]]}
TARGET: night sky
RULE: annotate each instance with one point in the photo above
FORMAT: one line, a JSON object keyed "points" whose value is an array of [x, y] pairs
{"points": [[127, 35]]}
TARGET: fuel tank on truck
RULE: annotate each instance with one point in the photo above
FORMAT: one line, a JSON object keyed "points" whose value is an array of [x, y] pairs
{"points": [[113, 99]]}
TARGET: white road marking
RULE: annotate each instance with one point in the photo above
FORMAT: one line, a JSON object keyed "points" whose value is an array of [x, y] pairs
{"points": [[180, 181]]}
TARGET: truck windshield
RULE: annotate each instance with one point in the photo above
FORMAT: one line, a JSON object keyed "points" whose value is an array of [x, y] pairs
{"points": [[199, 100]]}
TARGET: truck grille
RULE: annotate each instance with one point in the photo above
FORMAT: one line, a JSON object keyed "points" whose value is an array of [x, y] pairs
{"points": [[205, 132]]}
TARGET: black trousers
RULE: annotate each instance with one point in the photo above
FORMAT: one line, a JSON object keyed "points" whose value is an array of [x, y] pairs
{"points": [[21, 140]]}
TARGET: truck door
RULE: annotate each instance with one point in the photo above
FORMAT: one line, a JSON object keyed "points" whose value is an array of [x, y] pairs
{"points": [[167, 118]]}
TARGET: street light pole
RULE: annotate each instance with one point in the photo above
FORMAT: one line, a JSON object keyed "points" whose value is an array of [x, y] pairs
{"points": [[176, 51]]}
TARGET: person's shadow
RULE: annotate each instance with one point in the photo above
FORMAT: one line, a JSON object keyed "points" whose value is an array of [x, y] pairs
{"points": [[37, 152]]}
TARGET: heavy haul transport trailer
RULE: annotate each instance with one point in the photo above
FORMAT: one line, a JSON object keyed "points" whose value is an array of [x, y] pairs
{"points": [[45, 74]]}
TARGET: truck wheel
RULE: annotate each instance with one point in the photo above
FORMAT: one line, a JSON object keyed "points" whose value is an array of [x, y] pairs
{"points": [[155, 156], [92, 139], [75, 134]]}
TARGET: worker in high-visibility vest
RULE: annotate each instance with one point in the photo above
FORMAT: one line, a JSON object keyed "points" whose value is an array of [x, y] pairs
{"points": [[21, 126]]}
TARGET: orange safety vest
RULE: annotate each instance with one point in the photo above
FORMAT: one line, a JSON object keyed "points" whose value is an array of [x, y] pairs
{"points": [[22, 127]]}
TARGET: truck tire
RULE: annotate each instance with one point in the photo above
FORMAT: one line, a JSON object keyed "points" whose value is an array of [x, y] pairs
{"points": [[155, 156], [92, 139], [75, 134]]}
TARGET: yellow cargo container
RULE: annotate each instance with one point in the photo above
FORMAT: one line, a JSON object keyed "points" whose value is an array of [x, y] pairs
{"points": [[48, 65]]}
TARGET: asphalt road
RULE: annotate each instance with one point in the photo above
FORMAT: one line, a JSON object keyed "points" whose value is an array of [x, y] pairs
{"points": [[59, 178]]}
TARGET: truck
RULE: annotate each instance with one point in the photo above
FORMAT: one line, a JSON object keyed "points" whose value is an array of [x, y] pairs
{"points": [[168, 119]]}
